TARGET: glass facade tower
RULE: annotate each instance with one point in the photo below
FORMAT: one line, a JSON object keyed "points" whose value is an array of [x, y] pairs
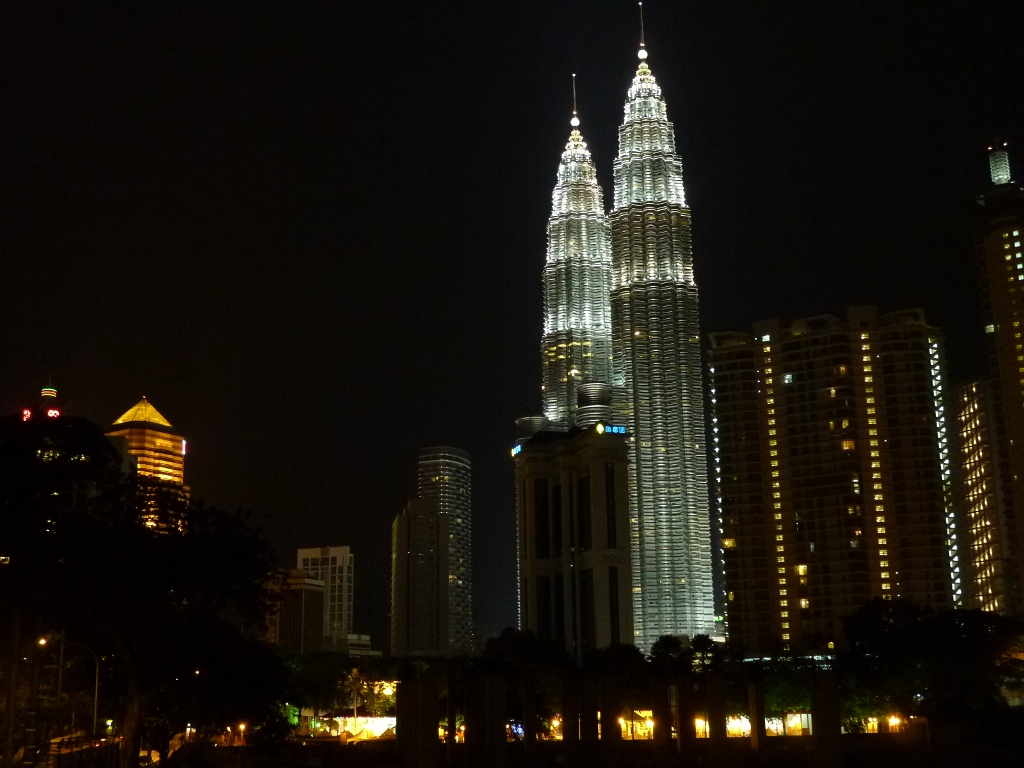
{"points": [[657, 368], [444, 477], [577, 280]]}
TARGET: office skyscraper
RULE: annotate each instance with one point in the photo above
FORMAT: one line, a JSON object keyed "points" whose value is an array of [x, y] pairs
{"points": [[657, 368], [573, 526], [444, 477], [419, 580], [160, 453], [577, 279], [833, 467], [995, 498], [333, 566]]}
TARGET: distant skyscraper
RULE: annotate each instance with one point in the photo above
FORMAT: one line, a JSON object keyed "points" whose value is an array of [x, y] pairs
{"points": [[834, 473], [333, 566], [444, 477], [419, 580], [995, 568], [657, 365], [577, 280], [297, 624], [160, 453]]}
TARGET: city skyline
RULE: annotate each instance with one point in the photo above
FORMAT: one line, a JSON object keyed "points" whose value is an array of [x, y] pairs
{"points": [[212, 227]]}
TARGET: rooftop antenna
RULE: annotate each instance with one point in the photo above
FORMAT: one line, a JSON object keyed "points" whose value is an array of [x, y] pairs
{"points": [[643, 53], [575, 120]]}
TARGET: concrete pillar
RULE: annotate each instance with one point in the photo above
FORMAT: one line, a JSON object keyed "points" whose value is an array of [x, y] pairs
{"points": [[755, 697], [486, 736], [571, 706], [683, 715], [416, 703], [529, 690], [716, 710], [826, 719], [588, 712], [661, 709]]}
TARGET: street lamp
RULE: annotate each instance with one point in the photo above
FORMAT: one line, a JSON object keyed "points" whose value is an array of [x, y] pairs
{"points": [[96, 684]]}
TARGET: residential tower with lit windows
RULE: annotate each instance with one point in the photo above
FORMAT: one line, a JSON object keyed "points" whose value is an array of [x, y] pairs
{"points": [[994, 500], [576, 345], [832, 462], [444, 477], [984, 533], [658, 374]]}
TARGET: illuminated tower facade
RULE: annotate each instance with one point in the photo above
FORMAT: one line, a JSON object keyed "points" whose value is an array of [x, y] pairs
{"points": [[657, 366], [151, 440], [996, 526], [577, 281], [444, 477]]}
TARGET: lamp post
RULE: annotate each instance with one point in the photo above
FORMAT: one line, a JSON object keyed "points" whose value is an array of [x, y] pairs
{"points": [[96, 683]]}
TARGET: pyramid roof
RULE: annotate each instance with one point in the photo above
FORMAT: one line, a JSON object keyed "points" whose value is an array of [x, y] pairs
{"points": [[143, 411]]}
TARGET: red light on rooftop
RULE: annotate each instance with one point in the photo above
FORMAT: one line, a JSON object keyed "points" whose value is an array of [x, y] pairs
{"points": [[52, 413]]}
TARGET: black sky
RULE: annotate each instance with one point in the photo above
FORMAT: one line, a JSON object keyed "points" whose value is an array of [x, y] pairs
{"points": [[312, 232]]}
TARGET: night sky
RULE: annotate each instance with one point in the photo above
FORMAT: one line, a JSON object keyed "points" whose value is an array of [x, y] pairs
{"points": [[312, 233]]}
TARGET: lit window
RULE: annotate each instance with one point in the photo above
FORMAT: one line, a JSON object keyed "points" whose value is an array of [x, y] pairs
{"points": [[805, 603], [801, 570], [729, 543], [848, 445], [846, 423], [787, 378]]}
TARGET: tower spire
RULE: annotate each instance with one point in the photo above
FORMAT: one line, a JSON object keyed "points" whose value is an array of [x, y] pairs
{"points": [[642, 54], [575, 122], [999, 164]]}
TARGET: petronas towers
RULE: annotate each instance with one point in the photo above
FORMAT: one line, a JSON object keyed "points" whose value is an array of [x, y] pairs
{"points": [[620, 308]]}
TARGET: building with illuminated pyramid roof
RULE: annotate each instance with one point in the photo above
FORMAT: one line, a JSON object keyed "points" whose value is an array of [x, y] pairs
{"points": [[151, 440], [658, 374], [576, 346]]}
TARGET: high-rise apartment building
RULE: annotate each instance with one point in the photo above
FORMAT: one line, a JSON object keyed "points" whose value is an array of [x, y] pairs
{"points": [[151, 441], [419, 580], [573, 537], [833, 473], [444, 477], [657, 368], [577, 279], [333, 566], [996, 563], [984, 541]]}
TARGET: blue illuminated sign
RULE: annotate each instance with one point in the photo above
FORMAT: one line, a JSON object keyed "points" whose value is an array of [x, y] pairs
{"points": [[615, 430], [517, 450]]}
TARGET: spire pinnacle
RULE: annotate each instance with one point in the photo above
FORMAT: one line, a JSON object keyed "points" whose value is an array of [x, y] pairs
{"points": [[642, 53], [575, 122], [999, 164]]}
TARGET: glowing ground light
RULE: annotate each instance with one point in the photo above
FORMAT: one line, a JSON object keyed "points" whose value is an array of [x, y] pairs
{"points": [[52, 413], [26, 414]]}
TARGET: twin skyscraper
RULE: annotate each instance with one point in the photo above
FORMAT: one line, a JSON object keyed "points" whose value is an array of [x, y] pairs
{"points": [[620, 308]]}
